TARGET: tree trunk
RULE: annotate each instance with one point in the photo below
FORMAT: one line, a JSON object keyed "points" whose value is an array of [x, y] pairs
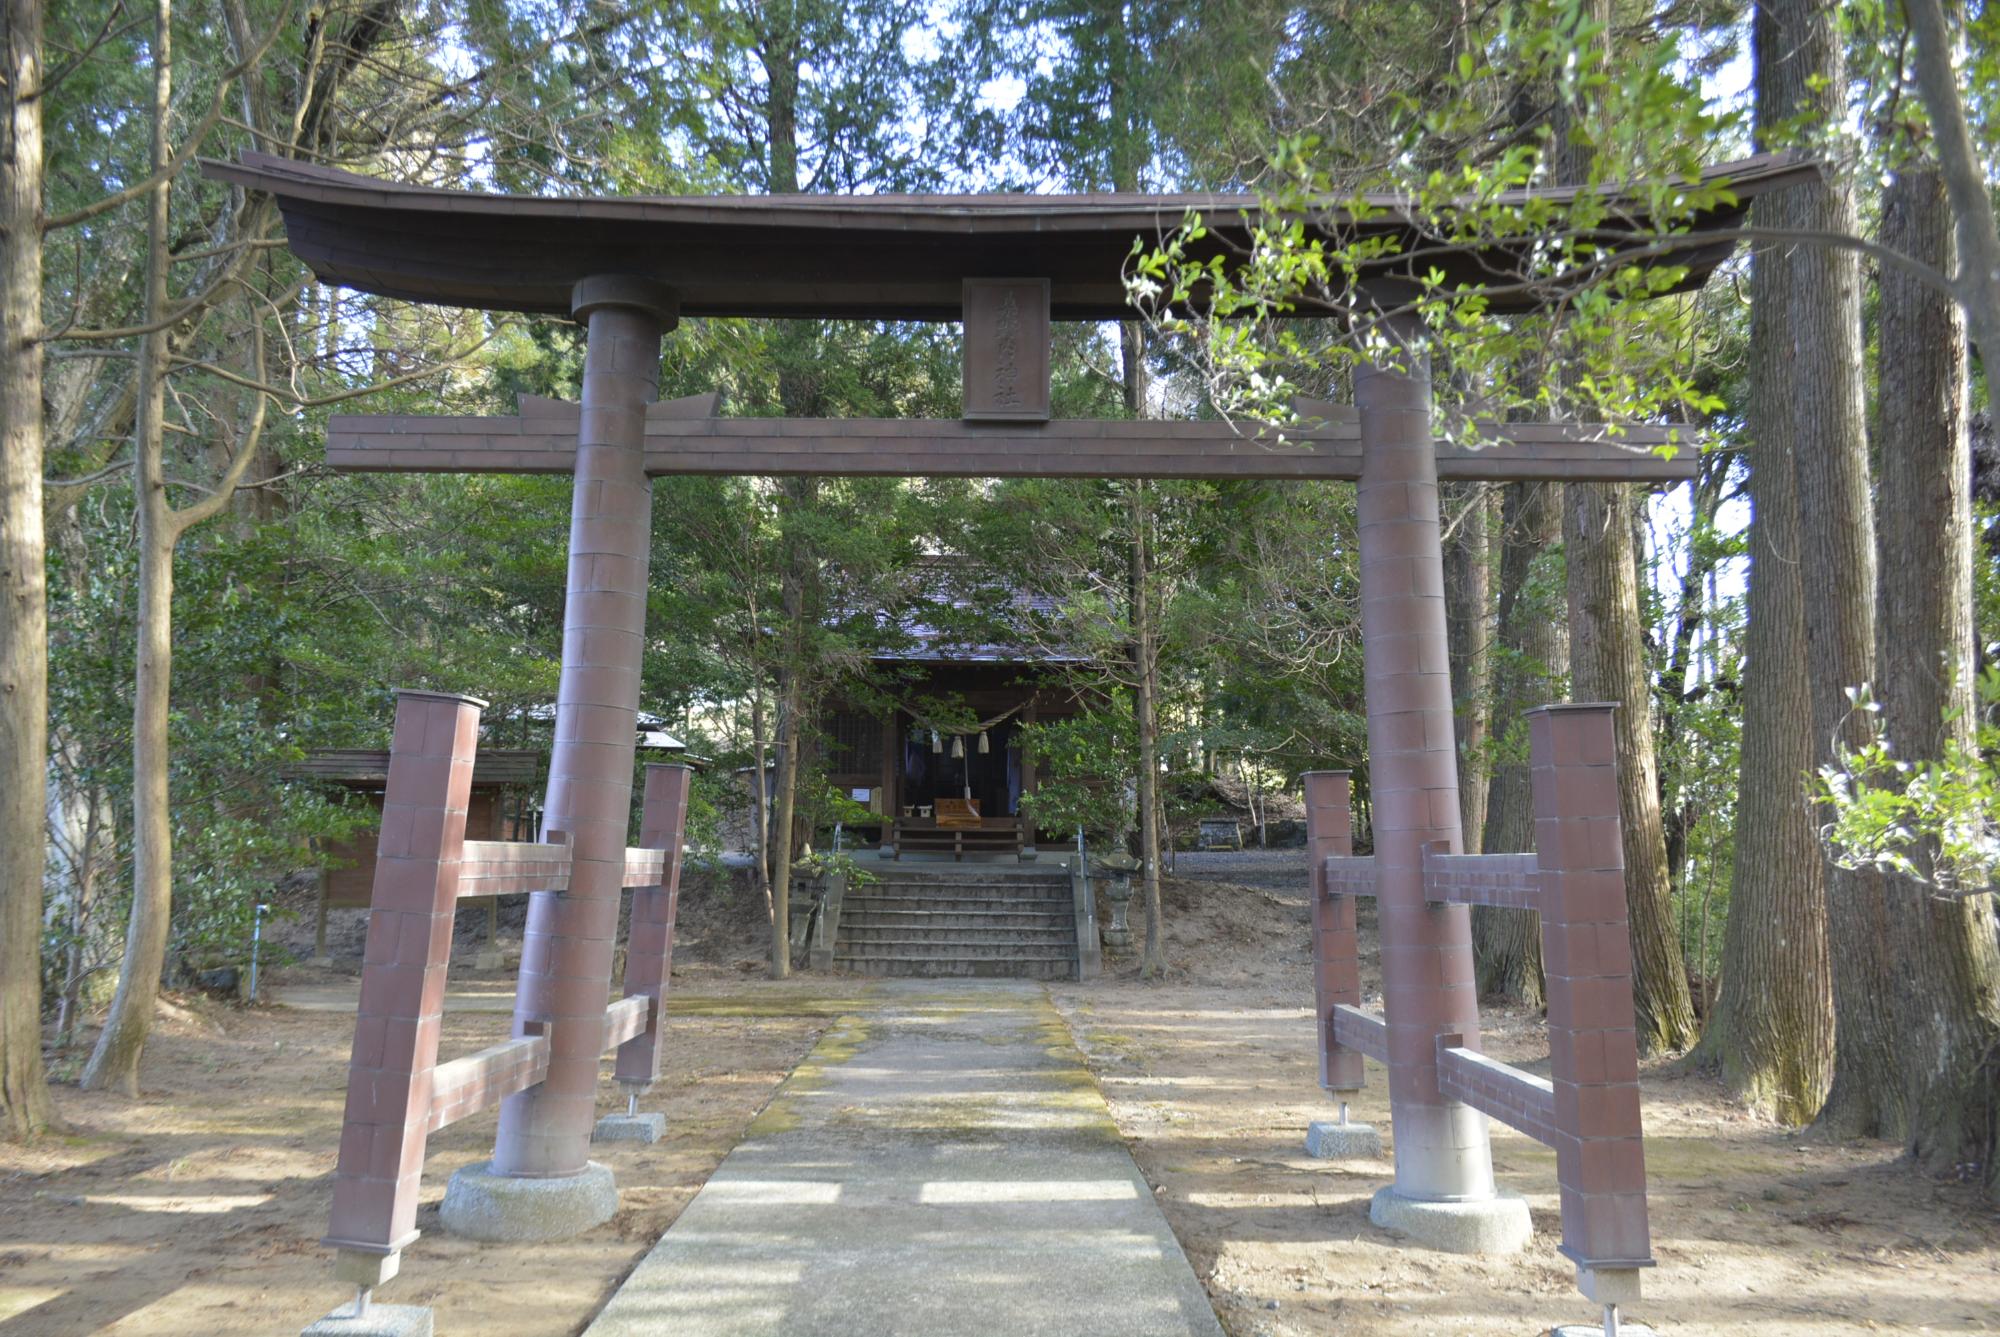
{"points": [[781, 110], [781, 101], [1946, 968], [788, 793], [1935, 50], [1468, 589], [1132, 346], [114, 1064], [1607, 662], [1507, 944], [1771, 1033], [1802, 73], [1607, 659], [760, 796], [794, 702], [1145, 648], [1145, 716], [25, 1107]]}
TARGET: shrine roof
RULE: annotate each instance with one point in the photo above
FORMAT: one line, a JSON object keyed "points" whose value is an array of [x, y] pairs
{"points": [[963, 604], [364, 767], [854, 256]]}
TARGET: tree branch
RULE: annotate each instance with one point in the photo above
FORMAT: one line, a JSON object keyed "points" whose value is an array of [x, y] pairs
{"points": [[85, 480], [293, 399], [179, 521], [1965, 182]]}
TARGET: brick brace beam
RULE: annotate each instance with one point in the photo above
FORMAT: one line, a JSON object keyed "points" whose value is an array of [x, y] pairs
{"points": [[1588, 1109]]}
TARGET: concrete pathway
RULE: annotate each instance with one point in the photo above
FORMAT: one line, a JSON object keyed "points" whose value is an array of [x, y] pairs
{"points": [[941, 1166]]}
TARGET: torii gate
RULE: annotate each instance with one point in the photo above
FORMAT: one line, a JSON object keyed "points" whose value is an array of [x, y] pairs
{"points": [[628, 269]]}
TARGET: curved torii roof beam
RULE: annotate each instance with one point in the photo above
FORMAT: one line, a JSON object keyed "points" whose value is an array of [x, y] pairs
{"points": [[857, 256]]}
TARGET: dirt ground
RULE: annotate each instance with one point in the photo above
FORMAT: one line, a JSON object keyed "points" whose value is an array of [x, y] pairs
{"points": [[198, 1209], [1758, 1230]]}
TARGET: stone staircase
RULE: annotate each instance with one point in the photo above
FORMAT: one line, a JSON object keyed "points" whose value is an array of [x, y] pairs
{"points": [[942, 920]]}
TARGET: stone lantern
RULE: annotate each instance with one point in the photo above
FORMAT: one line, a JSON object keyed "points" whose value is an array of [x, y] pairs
{"points": [[1116, 871]]}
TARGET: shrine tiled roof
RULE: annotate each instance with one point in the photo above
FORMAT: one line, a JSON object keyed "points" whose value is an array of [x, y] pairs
{"points": [[968, 614]]}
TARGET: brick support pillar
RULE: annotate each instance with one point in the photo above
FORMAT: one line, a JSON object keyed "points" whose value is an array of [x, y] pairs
{"points": [[1587, 951], [402, 983], [567, 949], [1427, 978], [649, 942], [1336, 945]]}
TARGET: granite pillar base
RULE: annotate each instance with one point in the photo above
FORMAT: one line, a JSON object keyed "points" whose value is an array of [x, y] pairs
{"points": [[507, 1209], [1498, 1224]]}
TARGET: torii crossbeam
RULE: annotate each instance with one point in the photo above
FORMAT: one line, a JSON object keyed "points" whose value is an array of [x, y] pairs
{"points": [[683, 436], [1006, 266]]}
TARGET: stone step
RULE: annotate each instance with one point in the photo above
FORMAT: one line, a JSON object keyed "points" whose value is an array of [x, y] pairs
{"points": [[898, 900], [935, 879], [859, 936], [971, 919], [1037, 968], [938, 922], [936, 945], [945, 873], [952, 895]]}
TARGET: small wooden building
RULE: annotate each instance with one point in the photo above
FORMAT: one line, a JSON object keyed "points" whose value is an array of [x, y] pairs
{"points": [[941, 791], [502, 807], [914, 776]]}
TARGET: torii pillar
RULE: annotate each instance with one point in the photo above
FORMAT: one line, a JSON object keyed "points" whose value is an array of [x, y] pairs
{"points": [[541, 1182], [1443, 1194]]}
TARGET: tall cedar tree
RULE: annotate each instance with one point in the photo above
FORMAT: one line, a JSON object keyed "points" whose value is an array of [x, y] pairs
{"points": [[24, 1098], [1821, 338], [1468, 590], [1945, 980], [1771, 1034]]}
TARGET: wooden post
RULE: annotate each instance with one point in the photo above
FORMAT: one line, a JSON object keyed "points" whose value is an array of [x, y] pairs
{"points": [[1335, 941], [1593, 1042], [402, 983], [892, 767], [649, 941]]}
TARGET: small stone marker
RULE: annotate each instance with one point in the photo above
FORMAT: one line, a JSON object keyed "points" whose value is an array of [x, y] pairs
{"points": [[631, 1126], [1221, 833], [1330, 1141], [646, 1128], [374, 1320], [1007, 350]]}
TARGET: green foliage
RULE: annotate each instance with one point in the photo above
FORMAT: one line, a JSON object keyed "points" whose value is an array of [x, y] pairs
{"points": [[1986, 573], [1604, 347], [238, 828], [1083, 766], [1935, 821]]}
